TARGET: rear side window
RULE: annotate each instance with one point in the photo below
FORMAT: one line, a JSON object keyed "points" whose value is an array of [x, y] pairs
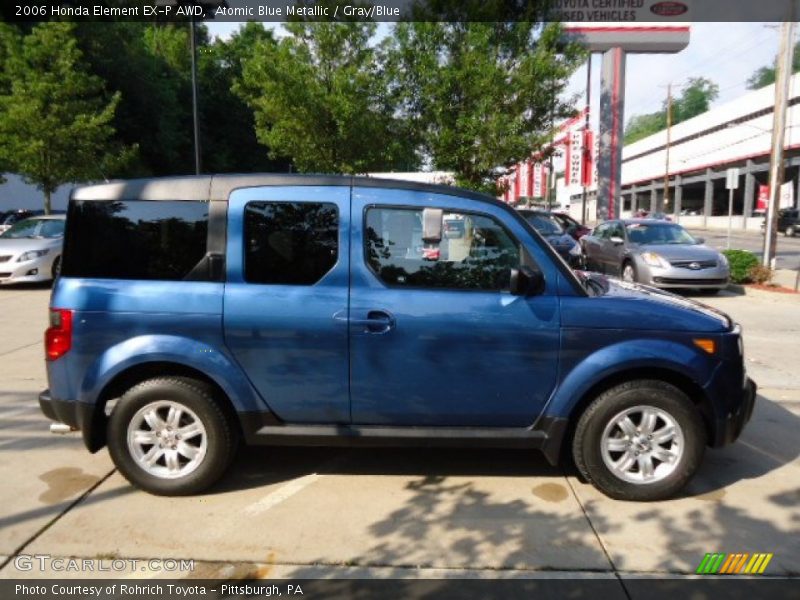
{"points": [[150, 240], [290, 243]]}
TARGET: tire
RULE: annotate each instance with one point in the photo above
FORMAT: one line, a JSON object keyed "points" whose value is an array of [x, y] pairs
{"points": [[143, 412], [55, 270], [597, 427], [629, 268], [790, 231]]}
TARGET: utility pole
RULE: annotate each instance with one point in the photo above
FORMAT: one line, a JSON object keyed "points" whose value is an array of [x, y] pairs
{"points": [[586, 149], [783, 77], [669, 136]]}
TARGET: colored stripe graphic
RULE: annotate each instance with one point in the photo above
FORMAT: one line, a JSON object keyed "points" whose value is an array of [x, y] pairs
{"points": [[721, 563]]}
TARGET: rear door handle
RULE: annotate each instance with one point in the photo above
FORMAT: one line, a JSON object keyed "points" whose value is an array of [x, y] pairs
{"points": [[377, 321]]}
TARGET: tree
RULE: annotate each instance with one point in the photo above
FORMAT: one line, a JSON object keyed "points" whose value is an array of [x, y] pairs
{"points": [[479, 95], [696, 98], [766, 75], [55, 118], [321, 97]]}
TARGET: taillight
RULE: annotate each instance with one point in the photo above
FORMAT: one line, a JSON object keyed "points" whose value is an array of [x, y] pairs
{"points": [[58, 337]]}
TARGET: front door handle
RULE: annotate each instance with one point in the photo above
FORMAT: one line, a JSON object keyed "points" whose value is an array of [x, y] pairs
{"points": [[377, 321]]}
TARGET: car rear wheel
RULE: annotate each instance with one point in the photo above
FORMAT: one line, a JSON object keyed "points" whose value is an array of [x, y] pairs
{"points": [[641, 440], [628, 272], [169, 436]]}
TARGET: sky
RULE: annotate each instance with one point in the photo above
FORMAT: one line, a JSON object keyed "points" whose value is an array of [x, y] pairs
{"points": [[726, 53]]}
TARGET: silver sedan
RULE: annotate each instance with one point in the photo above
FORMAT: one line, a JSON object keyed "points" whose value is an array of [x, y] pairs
{"points": [[30, 251], [657, 253]]}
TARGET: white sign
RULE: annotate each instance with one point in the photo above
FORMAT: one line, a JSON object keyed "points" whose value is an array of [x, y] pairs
{"points": [[732, 179], [575, 173], [787, 195], [537, 181]]}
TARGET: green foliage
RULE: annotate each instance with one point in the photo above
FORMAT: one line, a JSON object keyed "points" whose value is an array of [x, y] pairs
{"points": [[479, 95], [741, 264], [320, 95], [55, 117], [765, 76], [695, 99]]}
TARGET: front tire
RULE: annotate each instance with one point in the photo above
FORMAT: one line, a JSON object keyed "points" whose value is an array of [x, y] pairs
{"points": [[790, 231], [642, 440], [169, 436]]}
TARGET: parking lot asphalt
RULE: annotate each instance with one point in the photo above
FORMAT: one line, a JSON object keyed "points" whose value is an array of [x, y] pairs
{"points": [[293, 512]]}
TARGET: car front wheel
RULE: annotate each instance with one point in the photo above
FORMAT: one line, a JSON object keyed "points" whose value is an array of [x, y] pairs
{"points": [[641, 440], [629, 272], [169, 436]]}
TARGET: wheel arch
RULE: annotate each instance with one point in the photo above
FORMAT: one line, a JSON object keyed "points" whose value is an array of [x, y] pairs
{"points": [[94, 432], [693, 390]]}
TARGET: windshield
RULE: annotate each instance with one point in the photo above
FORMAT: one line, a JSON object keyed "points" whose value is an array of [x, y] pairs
{"points": [[648, 234], [34, 228], [544, 224]]}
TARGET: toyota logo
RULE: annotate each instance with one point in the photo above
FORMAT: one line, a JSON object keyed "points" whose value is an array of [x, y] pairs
{"points": [[694, 266]]}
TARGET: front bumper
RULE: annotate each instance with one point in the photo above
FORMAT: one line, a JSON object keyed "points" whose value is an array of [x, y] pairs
{"points": [[731, 428], [31, 271], [679, 277]]}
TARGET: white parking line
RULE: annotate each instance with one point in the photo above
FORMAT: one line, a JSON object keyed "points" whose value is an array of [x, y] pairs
{"points": [[281, 494]]}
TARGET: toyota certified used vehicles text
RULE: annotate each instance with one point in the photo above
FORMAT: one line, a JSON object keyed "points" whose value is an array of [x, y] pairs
{"points": [[30, 251], [192, 313], [658, 253]]}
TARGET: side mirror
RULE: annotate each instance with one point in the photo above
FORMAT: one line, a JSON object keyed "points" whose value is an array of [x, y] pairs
{"points": [[432, 225], [526, 282], [616, 240]]}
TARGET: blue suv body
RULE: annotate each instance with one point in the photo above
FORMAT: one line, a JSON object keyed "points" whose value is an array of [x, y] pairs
{"points": [[194, 312]]}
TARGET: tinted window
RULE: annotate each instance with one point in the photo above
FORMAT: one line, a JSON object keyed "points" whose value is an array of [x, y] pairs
{"points": [[294, 243], [135, 240], [476, 255]]}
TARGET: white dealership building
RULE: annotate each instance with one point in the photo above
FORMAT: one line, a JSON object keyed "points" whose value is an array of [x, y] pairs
{"points": [[737, 134]]}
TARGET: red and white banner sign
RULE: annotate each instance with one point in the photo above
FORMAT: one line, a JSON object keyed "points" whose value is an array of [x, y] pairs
{"points": [[538, 180], [575, 158], [763, 198]]}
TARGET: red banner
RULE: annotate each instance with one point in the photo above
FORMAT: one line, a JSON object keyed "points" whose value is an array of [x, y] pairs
{"points": [[763, 198]]}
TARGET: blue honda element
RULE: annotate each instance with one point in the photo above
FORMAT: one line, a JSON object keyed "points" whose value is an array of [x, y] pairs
{"points": [[194, 313]]}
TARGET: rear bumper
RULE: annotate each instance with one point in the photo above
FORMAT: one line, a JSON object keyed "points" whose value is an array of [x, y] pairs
{"points": [[78, 415]]}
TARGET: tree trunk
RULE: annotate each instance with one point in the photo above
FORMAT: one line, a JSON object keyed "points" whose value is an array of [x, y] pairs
{"points": [[47, 202]]}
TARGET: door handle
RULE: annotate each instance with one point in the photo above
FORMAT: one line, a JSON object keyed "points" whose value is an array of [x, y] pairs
{"points": [[377, 321]]}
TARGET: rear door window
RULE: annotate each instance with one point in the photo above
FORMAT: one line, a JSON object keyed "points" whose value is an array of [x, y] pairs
{"points": [[290, 243]]}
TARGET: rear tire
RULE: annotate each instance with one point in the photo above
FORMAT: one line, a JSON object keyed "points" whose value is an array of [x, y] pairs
{"points": [[55, 270], [170, 437], [612, 450]]}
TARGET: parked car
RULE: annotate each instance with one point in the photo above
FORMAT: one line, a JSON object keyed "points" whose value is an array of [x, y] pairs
{"points": [[788, 222], [656, 253], [571, 226], [30, 251], [14, 216], [551, 229], [287, 310]]}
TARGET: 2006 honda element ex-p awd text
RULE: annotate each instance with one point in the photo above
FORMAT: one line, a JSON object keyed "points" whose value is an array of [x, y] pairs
{"points": [[193, 313]]}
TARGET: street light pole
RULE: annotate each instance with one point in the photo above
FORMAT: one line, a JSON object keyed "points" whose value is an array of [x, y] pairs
{"points": [[192, 44], [783, 77]]}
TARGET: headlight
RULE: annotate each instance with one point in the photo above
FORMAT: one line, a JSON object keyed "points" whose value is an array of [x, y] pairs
{"points": [[655, 260], [575, 250], [31, 254], [723, 260]]}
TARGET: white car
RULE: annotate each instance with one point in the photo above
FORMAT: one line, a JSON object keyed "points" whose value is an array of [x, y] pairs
{"points": [[30, 251]]}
